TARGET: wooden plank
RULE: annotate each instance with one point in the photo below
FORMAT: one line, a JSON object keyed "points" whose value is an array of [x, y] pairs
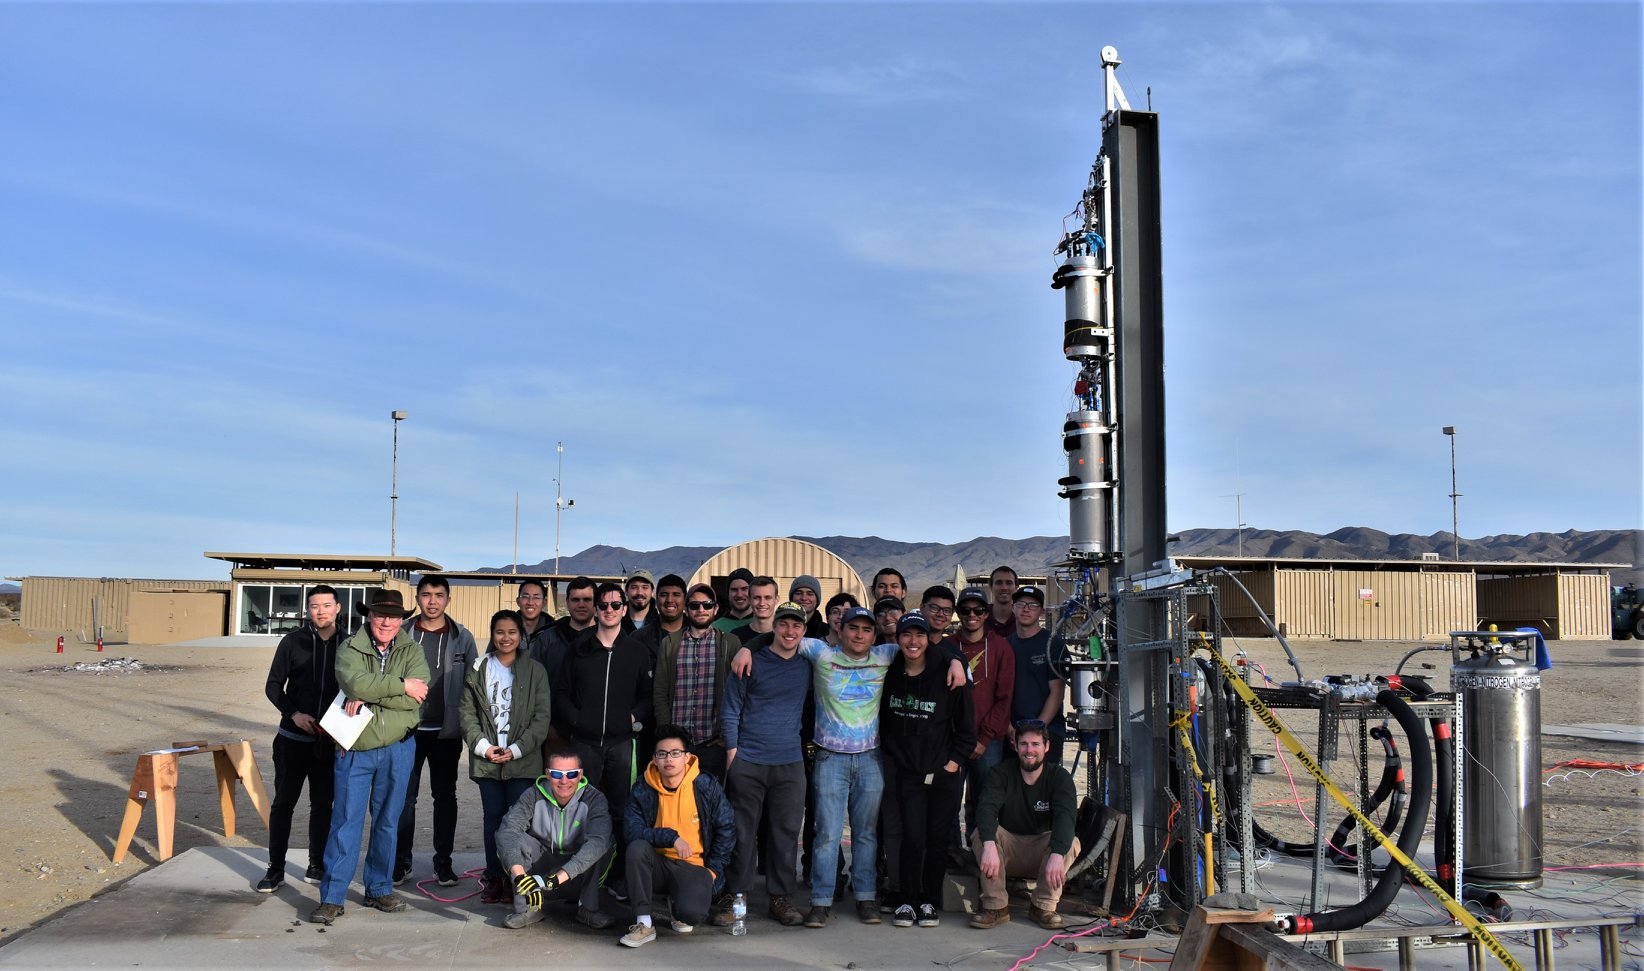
{"points": [[1276, 953]]}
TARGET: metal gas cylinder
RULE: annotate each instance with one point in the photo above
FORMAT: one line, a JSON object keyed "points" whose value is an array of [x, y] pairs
{"points": [[1498, 692]]}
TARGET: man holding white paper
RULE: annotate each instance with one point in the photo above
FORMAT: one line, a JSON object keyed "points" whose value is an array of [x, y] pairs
{"points": [[382, 668]]}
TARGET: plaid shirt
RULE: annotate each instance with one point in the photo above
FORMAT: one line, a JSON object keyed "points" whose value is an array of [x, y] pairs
{"points": [[695, 707]]}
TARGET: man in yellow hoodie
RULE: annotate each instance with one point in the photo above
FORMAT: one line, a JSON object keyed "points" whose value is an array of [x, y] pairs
{"points": [[680, 831]]}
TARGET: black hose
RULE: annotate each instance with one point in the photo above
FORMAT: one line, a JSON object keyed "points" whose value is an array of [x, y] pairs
{"points": [[1392, 877], [1391, 787]]}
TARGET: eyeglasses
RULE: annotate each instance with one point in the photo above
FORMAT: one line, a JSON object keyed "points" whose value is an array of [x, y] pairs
{"points": [[559, 774], [701, 605], [672, 753], [937, 609], [613, 605], [972, 611]]}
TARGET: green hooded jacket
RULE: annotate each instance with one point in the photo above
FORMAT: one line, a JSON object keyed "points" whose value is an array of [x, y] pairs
{"points": [[527, 715], [362, 675]]}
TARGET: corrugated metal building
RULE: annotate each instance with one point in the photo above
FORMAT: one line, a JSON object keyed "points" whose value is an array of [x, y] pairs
{"points": [[1561, 605], [1407, 599], [784, 559], [270, 590], [476, 596], [139, 611]]}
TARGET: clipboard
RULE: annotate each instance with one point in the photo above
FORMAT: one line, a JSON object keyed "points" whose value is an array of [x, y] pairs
{"points": [[344, 728]]}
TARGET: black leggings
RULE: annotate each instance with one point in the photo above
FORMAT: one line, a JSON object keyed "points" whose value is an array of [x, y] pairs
{"points": [[927, 813]]}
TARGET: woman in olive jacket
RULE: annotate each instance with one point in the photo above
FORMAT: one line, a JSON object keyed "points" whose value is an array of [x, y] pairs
{"points": [[505, 709]]}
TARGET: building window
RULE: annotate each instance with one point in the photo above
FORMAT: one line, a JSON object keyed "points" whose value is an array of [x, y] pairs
{"points": [[279, 608]]}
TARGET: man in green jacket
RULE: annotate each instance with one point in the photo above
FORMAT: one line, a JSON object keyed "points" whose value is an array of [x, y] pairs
{"points": [[1024, 828], [382, 670]]}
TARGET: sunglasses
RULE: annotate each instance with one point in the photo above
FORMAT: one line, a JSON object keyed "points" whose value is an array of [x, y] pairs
{"points": [[701, 605], [558, 774], [613, 605], [972, 611]]}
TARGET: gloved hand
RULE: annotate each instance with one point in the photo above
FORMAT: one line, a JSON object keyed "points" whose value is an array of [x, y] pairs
{"points": [[532, 887]]}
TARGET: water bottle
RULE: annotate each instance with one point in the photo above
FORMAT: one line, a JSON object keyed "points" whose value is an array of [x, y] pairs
{"points": [[739, 916]]}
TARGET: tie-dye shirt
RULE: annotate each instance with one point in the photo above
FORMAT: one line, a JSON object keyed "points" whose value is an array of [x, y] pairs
{"points": [[847, 694]]}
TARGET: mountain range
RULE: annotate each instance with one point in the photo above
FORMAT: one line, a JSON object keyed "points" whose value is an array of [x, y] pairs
{"points": [[928, 563]]}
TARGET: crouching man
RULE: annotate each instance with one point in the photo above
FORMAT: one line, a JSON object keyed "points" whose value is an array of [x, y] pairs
{"points": [[680, 831], [1024, 828], [555, 842]]}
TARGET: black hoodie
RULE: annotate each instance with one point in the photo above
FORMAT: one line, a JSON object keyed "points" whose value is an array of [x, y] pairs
{"points": [[924, 724], [599, 694], [303, 676]]}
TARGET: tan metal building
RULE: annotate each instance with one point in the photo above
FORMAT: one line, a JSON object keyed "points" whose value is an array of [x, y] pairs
{"points": [[785, 559], [1402, 599], [1567, 606], [135, 611], [269, 591], [476, 596]]}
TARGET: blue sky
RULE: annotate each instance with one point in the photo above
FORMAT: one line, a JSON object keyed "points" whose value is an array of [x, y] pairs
{"points": [[783, 269]]}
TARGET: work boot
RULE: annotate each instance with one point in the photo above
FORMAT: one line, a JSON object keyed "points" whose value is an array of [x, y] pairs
{"points": [[721, 916], [867, 911], [388, 903], [783, 912], [817, 916], [986, 919], [1048, 919], [325, 914], [271, 880]]}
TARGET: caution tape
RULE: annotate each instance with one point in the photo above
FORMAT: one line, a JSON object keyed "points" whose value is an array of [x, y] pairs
{"points": [[1461, 914], [1181, 724]]}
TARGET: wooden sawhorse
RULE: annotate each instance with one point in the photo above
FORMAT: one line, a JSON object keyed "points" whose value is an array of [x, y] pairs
{"points": [[155, 780]]}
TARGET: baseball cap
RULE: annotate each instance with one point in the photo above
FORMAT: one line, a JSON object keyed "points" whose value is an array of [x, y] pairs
{"points": [[888, 603], [856, 613], [972, 593], [789, 609], [1024, 593], [913, 620], [641, 575]]}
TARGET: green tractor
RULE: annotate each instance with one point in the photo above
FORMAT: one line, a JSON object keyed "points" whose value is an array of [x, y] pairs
{"points": [[1626, 612]]}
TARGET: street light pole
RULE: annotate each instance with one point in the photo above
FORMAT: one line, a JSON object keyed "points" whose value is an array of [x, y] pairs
{"points": [[1450, 433], [394, 490]]}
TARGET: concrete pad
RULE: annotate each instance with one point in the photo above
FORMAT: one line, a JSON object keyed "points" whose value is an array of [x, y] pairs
{"points": [[199, 910], [1625, 734]]}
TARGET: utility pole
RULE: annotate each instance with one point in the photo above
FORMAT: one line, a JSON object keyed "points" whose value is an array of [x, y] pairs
{"points": [[394, 488], [513, 567], [1455, 531], [560, 502], [1238, 517]]}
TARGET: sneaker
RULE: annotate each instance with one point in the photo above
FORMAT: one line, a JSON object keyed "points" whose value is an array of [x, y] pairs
{"points": [[597, 919], [522, 918], [903, 916], [388, 903], [401, 871], [817, 917], [618, 889], [315, 873], [325, 914], [783, 912], [680, 927], [721, 916], [1048, 919], [639, 935], [444, 875], [985, 919], [495, 891], [885, 905], [271, 880], [867, 911], [928, 917]]}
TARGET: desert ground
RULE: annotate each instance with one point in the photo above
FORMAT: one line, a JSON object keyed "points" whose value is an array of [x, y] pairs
{"points": [[76, 735]]}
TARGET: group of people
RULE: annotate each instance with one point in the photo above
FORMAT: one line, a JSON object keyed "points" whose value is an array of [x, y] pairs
{"points": [[655, 742]]}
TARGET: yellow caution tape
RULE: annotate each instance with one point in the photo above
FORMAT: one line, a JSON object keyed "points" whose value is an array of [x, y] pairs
{"points": [[1266, 717], [1181, 725]]}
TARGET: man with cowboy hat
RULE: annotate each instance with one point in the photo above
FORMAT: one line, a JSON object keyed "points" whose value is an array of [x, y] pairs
{"points": [[382, 669]]}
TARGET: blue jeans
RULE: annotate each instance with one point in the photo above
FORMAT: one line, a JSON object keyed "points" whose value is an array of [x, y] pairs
{"points": [[497, 796], [373, 779], [846, 783]]}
